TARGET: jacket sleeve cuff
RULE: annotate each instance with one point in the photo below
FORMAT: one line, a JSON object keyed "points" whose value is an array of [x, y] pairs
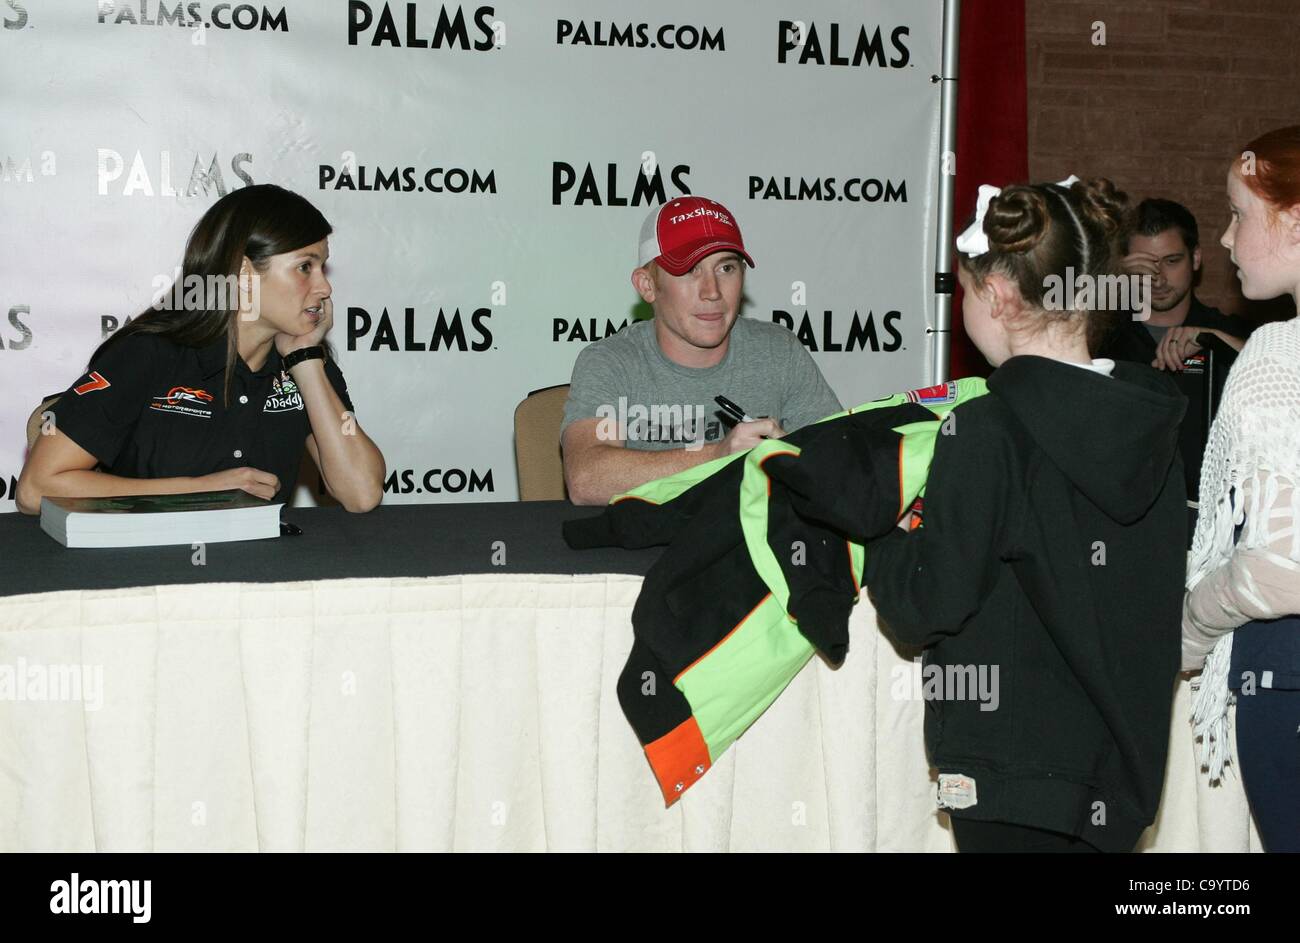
{"points": [[823, 616], [584, 533]]}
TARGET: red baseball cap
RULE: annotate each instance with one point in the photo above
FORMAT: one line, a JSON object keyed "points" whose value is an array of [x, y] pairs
{"points": [[685, 230]]}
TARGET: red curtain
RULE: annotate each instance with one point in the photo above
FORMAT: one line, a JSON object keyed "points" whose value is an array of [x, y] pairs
{"points": [[992, 128]]}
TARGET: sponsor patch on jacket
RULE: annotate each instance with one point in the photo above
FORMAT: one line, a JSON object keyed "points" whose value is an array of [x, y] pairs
{"points": [[917, 511], [938, 395], [96, 382], [284, 396], [956, 791], [184, 400]]}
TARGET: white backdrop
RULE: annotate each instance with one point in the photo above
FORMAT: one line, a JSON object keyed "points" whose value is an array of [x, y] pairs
{"points": [[124, 121]]}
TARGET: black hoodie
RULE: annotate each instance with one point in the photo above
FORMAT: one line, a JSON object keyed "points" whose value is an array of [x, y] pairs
{"points": [[1052, 550]]}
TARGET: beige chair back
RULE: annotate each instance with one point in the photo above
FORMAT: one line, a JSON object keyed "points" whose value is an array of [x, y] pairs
{"points": [[537, 444]]}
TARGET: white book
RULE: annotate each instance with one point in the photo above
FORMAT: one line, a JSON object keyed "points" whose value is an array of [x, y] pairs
{"points": [[156, 520]]}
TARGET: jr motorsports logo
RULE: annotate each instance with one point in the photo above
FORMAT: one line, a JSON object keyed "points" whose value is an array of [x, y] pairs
{"points": [[184, 400]]}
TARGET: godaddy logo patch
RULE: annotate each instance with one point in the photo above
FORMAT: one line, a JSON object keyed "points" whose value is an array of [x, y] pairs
{"points": [[284, 395]]}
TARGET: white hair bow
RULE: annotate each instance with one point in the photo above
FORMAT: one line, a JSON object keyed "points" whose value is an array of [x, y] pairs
{"points": [[974, 241]]}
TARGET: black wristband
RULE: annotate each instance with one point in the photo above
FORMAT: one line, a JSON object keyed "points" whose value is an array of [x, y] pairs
{"points": [[295, 357]]}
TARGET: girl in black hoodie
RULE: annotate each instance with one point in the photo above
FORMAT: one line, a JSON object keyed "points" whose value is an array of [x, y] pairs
{"points": [[1052, 553]]}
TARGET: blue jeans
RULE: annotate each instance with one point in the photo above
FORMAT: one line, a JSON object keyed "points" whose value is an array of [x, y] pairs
{"points": [[1268, 749]]}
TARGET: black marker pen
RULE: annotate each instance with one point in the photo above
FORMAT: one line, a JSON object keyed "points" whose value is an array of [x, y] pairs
{"points": [[732, 410]]}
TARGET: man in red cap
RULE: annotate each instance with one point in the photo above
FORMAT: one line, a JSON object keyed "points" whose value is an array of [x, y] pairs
{"points": [[642, 402]]}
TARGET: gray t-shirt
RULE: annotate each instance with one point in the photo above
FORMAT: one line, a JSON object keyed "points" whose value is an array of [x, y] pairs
{"points": [[1157, 331], [649, 402]]}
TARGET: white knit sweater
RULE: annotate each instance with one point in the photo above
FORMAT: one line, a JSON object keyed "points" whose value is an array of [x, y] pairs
{"points": [[1254, 450]]}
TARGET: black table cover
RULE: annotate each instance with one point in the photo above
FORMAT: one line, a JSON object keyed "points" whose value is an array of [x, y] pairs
{"points": [[400, 540]]}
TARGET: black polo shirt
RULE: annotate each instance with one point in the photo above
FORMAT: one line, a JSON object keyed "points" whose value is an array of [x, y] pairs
{"points": [[150, 408]]}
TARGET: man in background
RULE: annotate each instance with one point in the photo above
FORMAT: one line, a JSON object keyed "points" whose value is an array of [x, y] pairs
{"points": [[1165, 244], [1195, 342]]}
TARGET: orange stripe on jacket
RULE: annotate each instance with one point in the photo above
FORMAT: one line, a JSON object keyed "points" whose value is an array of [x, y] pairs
{"points": [[678, 759]]}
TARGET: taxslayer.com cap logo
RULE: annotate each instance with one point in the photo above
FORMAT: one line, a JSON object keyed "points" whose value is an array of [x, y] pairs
{"points": [[702, 211], [184, 400]]}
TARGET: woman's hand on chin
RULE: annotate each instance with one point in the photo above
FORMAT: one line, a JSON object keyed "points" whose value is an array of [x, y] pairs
{"points": [[287, 343]]}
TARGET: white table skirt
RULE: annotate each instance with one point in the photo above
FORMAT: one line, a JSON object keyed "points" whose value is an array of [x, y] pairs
{"points": [[451, 713]]}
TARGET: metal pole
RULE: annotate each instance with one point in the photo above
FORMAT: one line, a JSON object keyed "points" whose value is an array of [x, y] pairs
{"points": [[944, 280]]}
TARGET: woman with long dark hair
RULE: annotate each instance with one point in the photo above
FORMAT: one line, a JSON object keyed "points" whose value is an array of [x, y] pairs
{"points": [[221, 382]]}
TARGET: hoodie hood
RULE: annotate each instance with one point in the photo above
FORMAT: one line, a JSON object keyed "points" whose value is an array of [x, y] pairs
{"points": [[1112, 437]]}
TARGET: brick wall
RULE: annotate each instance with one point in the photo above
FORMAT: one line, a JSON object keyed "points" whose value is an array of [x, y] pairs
{"points": [[1179, 87]]}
